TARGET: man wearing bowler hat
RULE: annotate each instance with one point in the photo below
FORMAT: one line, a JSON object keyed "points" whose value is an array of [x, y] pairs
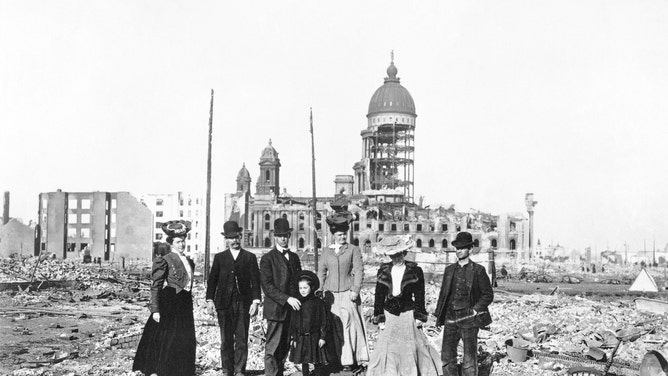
{"points": [[278, 274], [462, 308], [233, 292]]}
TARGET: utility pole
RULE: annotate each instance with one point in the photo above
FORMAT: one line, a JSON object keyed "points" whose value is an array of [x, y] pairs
{"points": [[315, 211], [207, 232]]}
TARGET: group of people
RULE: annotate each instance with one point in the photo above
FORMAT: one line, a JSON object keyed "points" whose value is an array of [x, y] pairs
{"points": [[315, 317]]}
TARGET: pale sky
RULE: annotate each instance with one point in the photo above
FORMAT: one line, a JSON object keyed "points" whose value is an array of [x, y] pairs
{"points": [[565, 99]]}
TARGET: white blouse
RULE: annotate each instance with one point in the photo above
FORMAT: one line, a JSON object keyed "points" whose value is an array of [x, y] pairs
{"points": [[397, 275]]}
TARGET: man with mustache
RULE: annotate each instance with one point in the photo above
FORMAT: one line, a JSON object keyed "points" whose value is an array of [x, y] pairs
{"points": [[462, 308], [233, 292]]}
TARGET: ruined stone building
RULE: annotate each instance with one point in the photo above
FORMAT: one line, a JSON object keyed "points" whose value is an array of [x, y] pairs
{"points": [[16, 238], [380, 192], [109, 225]]}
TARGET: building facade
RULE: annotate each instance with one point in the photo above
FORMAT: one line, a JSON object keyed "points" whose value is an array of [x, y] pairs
{"points": [[180, 205], [380, 193], [109, 225]]}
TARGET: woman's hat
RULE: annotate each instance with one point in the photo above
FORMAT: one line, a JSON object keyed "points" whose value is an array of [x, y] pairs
{"points": [[176, 229], [339, 221], [231, 229], [282, 227], [307, 274], [394, 244], [463, 240]]}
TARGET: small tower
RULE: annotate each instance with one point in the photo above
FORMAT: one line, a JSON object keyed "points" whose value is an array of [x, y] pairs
{"points": [[270, 165], [243, 180]]}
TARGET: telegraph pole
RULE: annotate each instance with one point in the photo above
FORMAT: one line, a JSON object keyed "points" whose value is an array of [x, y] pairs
{"points": [[207, 232], [314, 208]]}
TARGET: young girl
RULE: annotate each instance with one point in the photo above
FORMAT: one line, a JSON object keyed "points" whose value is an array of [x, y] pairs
{"points": [[309, 326]]}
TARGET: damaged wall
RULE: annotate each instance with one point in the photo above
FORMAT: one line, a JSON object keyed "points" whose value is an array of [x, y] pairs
{"points": [[16, 237]]}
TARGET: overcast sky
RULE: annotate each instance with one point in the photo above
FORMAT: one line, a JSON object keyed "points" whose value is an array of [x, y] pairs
{"points": [[565, 99]]}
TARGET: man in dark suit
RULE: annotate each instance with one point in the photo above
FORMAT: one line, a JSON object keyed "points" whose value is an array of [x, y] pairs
{"points": [[462, 308], [278, 275], [233, 291]]}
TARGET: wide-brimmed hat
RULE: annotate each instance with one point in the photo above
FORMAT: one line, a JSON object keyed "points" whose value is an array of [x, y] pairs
{"points": [[231, 229], [394, 244], [282, 227], [307, 274], [176, 229], [463, 240], [340, 221]]}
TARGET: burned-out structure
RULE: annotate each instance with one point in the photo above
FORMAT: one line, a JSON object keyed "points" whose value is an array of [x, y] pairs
{"points": [[104, 225], [380, 193]]}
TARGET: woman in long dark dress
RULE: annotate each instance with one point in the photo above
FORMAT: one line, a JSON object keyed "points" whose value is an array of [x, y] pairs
{"points": [[309, 326], [167, 346]]}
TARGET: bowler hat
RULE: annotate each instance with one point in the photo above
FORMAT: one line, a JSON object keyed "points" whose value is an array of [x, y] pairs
{"points": [[309, 275], [176, 229], [282, 227], [231, 229], [339, 221], [463, 240]]}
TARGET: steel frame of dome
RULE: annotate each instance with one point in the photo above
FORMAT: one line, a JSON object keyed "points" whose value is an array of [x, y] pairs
{"points": [[390, 150]]}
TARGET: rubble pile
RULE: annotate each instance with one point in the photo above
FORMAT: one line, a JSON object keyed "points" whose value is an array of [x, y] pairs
{"points": [[18, 269], [93, 330]]}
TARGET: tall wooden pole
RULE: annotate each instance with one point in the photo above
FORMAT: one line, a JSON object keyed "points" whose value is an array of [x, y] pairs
{"points": [[315, 211], [207, 232]]}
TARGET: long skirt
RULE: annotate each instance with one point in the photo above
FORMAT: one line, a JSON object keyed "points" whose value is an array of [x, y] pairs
{"points": [[168, 347], [350, 342], [403, 350]]}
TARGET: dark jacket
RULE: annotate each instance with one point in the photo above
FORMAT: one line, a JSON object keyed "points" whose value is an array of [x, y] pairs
{"points": [[311, 319], [479, 289], [170, 269], [412, 292], [278, 280], [221, 281]]}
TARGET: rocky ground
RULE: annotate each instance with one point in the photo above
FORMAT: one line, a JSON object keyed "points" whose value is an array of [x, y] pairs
{"points": [[92, 328]]}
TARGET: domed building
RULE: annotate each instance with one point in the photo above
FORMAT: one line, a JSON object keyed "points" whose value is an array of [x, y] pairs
{"points": [[386, 172], [380, 193]]}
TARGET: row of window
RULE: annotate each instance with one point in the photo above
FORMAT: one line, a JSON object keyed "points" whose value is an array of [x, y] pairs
{"points": [[383, 120], [160, 213], [73, 232], [85, 203], [84, 218]]}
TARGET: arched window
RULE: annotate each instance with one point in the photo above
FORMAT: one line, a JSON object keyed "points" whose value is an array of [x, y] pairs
{"points": [[356, 242], [301, 243], [476, 243], [301, 221], [431, 243], [418, 243], [284, 216], [267, 221], [318, 243], [444, 243], [267, 175], [513, 244], [493, 243], [267, 242]]}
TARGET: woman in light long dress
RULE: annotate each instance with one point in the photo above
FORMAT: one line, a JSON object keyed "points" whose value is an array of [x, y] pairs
{"points": [[402, 348], [340, 272]]}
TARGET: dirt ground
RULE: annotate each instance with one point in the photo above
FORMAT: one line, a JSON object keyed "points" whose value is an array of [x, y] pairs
{"points": [[93, 328]]}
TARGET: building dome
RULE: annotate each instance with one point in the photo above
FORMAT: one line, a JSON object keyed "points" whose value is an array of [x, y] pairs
{"points": [[391, 97], [243, 173], [269, 152]]}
